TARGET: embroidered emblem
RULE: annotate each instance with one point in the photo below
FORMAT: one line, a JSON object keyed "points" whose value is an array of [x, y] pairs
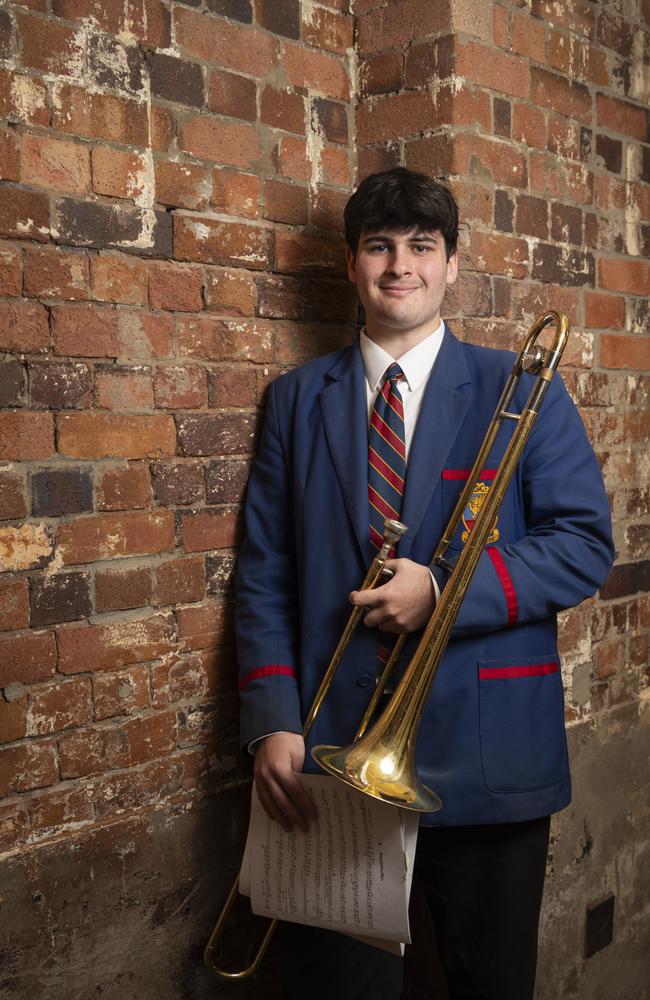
{"points": [[470, 513]]}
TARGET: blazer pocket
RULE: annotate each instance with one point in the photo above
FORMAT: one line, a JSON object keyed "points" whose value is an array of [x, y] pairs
{"points": [[521, 723], [453, 482]]}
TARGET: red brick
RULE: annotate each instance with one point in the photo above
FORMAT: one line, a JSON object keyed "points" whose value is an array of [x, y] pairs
{"points": [[124, 488], [178, 482], [622, 116], [209, 529], [336, 166], [297, 253], [24, 327], [55, 274], [53, 810], [630, 276], [528, 37], [578, 16], [499, 254], [99, 435], [25, 435], [316, 71], [179, 581], [233, 95], [214, 339], [163, 127], [298, 342], [204, 626], [10, 279], [235, 193], [221, 141], [124, 389], [182, 184], [531, 217], [13, 720], [109, 647], [384, 72], [118, 279], [23, 98], [122, 693], [14, 604], [117, 590], [325, 29], [216, 433], [242, 48], [59, 706], [176, 287], [26, 658], [12, 496], [24, 215], [113, 536], [55, 163], [25, 546], [550, 90], [577, 59], [396, 24], [474, 202], [563, 137], [180, 388], [9, 155], [327, 210], [293, 159], [604, 312], [487, 67], [529, 125], [49, 46], [105, 748], [230, 293], [283, 109], [99, 116], [118, 174], [406, 113], [286, 203], [472, 156], [624, 352], [559, 178], [85, 331], [212, 242], [25, 767]]}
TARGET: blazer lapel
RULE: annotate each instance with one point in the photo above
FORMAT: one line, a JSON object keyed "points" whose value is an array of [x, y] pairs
{"points": [[443, 409], [344, 410]]}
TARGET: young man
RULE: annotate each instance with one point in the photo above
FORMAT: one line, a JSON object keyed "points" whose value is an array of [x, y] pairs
{"points": [[340, 433]]}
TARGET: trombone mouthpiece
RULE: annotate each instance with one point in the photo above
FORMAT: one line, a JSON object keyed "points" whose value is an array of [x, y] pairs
{"points": [[393, 531]]}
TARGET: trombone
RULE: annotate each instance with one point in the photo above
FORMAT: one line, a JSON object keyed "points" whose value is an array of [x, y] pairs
{"points": [[381, 760]]}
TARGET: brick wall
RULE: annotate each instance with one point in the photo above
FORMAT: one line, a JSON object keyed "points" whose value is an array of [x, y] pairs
{"points": [[173, 175]]}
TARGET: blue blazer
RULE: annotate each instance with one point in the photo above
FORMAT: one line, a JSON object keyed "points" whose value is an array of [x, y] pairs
{"points": [[492, 741]]}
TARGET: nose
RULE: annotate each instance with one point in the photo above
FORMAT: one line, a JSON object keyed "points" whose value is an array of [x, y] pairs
{"points": [[398, 262]]}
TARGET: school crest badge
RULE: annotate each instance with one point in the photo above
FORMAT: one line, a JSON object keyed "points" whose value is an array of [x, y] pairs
{"points": [[470, 513]]}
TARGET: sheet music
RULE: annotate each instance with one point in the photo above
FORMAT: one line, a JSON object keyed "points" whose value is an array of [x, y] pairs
{"points": [[350, 872]]}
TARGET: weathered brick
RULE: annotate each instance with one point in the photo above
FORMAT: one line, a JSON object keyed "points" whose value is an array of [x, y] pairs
{"points": [[10, 276], [163, 129], [234, 46], [12, 496], [321, 73], [126, 488], [504, 209], [25, 767], [180, 388], [105, 748], [108, 647], [185, 677], [232, 387], [12, 383], [115, 536], [230, 293], [206, 625], [216, 433], [9, 155], [557, 177], [529, 125], [54, 274], [611, 152], [119, 174], [49, 46], [119, 227], [329, 118], [61, 597], [13, 720], [122, 693], [220, 141], [286, 203], [209, 529], [24, 214], [220, 573], [124, 389], [99, 435], [78, 111], [625, 579], [176, 483], [24, 98], [214, 339], [59, 808], [61, 491], [235, 193], [327, 29], [182, 184], [14, 604], [55, 163], [175, 79], [118, 279], [27, 657], [297, 253], [59, 706], [233, 95], [179, 581], [116, 590], [566, 224], [25, 435], [578, 17], [213, 242], [499, 254], [383, 72]]}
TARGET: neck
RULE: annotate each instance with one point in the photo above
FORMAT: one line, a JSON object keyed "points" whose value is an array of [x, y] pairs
{"points": [[398, 342]]}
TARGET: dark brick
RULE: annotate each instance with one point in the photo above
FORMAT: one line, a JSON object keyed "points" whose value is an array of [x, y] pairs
{"points": [[63, 597], [5, 35], [12, 496], [12, 383], [556, 265], [566, 224], [503, 211], [645, 164], [118, 227], [282, 17], [176, 79], [218, 433], [230, 386], [502, 117], [61, 491], [226, 480], [24, 215], [114, 65], [285, 202], [60, 386], [177, 483], [330, 118], [283, 297], [220, 573], [234, 95], [237, 10], [645, 241], [626, 579], [117, 591], [532, 217], [586, 143], [611, 150]]}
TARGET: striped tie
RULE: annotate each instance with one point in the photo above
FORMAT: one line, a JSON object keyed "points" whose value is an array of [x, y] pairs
{"points": [[386, 456]]}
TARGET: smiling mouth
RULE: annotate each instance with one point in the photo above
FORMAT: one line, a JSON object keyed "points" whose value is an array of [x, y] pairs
{"points": [[398, 288]]}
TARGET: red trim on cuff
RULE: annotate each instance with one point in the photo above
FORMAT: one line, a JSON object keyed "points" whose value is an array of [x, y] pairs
{"points": [[529, 670], [488, 474], [506, 582], [268, 671]]}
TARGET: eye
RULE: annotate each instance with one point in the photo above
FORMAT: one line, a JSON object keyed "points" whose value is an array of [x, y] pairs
{"points": [[422, 248], [378, 247]]}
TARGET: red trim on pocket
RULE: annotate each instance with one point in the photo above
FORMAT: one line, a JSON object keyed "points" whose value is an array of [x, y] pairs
{"points": [[487, 474], [529, 670], [506, 582], [268, 671]]}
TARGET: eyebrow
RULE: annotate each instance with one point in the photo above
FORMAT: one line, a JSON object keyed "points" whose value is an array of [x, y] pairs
{"points": [[389, 239]]}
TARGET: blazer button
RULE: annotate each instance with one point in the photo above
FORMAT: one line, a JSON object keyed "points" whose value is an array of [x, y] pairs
{"points": [[365, 680]]}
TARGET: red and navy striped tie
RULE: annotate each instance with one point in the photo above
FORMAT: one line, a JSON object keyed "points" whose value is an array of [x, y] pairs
{"points": [[386, 456]]}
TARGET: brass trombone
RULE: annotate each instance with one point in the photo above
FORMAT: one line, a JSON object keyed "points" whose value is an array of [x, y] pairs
{"points": [[381, 761]]}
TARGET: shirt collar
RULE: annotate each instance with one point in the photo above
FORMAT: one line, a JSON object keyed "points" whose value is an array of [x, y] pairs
{"points": [[416, 364]]}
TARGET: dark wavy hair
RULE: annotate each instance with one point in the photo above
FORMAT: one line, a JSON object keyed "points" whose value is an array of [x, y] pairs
{"points": [[399, 199]]}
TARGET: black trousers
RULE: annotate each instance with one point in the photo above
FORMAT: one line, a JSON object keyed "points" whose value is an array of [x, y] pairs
{"points": [[484, 888]]}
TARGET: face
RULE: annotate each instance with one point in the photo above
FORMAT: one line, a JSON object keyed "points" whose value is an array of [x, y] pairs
{"points": [[401, 279]]}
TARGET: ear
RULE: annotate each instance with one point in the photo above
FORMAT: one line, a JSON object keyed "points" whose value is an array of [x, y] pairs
{"points": [[452, 268], [350, 260]]}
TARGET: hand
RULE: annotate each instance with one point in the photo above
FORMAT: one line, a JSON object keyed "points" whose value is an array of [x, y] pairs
{"points": [[404, 603], [278, 759]]}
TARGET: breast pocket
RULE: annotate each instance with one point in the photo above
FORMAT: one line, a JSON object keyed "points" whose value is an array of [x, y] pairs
{"points": [[453, 483], [521, 720]]}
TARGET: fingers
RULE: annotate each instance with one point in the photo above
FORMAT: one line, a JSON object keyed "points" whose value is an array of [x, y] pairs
{"points": [[280, 790]]}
